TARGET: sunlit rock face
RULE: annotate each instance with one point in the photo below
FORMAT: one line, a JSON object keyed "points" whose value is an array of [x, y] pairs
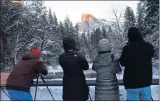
{"points": [[87, 17], [18, 2], [89, 22]]}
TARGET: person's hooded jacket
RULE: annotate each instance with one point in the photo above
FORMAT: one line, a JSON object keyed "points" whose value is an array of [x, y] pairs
{"points": [[136, 57], [106, 67], [23, 73], [73, 63]]}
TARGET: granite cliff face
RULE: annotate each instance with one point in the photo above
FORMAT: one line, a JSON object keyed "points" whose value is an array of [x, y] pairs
{"points": [[89, 22], [18, 2], [87, 17]]}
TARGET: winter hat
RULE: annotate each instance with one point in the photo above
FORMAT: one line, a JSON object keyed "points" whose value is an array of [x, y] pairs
{"points": [[36, 52], [68, 44], [104, 45], [134, 35]]}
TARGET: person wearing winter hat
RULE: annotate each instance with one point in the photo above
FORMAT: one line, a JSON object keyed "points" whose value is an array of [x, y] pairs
{"points": [[73, 63], [106, 67], [22, 75], [136, 57]]}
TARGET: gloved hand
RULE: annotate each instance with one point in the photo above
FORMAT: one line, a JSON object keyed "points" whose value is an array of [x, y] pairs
{"points": [[41, 59]]}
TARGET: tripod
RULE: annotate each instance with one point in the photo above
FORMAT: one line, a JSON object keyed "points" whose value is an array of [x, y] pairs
{"points": [[45, 85], [89, 95], [5, 93]]}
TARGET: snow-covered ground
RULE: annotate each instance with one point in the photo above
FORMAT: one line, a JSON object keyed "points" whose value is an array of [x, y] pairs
{"points": [[43, 94]]}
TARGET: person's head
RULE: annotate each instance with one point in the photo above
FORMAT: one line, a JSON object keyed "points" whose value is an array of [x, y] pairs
{"points": [[36, 52], [104, 46], [68, 44], [134, 35]]}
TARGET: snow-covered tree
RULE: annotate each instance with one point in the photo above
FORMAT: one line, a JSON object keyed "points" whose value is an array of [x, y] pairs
{"points": [[11, 20], [141, 14], [69, 29], [129, 19], [98, 34], [151, 30], [61, 30], [104, 33]]}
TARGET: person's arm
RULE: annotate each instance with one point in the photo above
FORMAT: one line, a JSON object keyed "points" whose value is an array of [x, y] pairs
{"points": [[118, 67], [95, 64], [83, 62], [40, 67], [152, 51], [93, 67], [122, 58], [60, 61]]}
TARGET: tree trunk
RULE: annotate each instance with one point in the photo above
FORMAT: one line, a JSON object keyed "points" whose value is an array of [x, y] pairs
{"points": [[15, 57], [13, 62], [1, 53]]}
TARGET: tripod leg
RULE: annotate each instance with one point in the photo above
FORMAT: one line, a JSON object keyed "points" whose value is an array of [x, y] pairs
{"points": [[47, 87], [89, 95], [36, 88], [5, 93]]}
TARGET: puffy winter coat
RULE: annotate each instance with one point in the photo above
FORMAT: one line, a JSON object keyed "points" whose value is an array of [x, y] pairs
{"points": [[106, 68], [74, 83], [107, 88]]}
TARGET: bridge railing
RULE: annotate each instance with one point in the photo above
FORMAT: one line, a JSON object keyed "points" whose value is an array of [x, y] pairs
{"points": [[89, 82]]}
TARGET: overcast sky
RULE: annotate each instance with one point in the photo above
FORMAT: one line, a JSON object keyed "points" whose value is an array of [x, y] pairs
{"points": [[99, 9]]}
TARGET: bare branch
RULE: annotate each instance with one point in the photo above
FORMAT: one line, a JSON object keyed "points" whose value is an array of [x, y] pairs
{"points": [[15, 14], [12, 25]]}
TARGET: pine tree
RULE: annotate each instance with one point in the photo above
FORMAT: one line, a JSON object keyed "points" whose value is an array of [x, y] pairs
{"points": [[77, 37], [141, 17], [55, 25], [94, 43], [11, 20], [50, 17], [104, 33], [93, 39], [98, 35], [61, 30], [129, 19], [69, 29], [44, 32], [55, 19], [110, 34], [151, 29], [152, 16], [89, 47]]}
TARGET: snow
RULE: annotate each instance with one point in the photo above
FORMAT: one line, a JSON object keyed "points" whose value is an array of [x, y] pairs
{"points": [[43, 94], [57, 69]]}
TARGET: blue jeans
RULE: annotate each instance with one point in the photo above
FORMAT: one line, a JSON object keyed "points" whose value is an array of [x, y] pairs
{"points": [[142, 94], [16, 95]]}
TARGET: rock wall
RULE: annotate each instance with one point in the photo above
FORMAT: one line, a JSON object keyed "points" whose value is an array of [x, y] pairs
{"points": [[87, 17]]}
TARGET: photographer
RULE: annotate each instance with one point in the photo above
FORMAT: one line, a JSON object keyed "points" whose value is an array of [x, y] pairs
{"points": [[136, 57], [73, 63], [22, 75]]}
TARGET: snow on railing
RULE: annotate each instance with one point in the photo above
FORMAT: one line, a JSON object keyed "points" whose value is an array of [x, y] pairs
{"points": [[89, 82]]}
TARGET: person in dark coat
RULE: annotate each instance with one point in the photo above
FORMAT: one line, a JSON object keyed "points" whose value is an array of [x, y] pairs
{"points": [[73, 63], [21, 77], [136, 57]]}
